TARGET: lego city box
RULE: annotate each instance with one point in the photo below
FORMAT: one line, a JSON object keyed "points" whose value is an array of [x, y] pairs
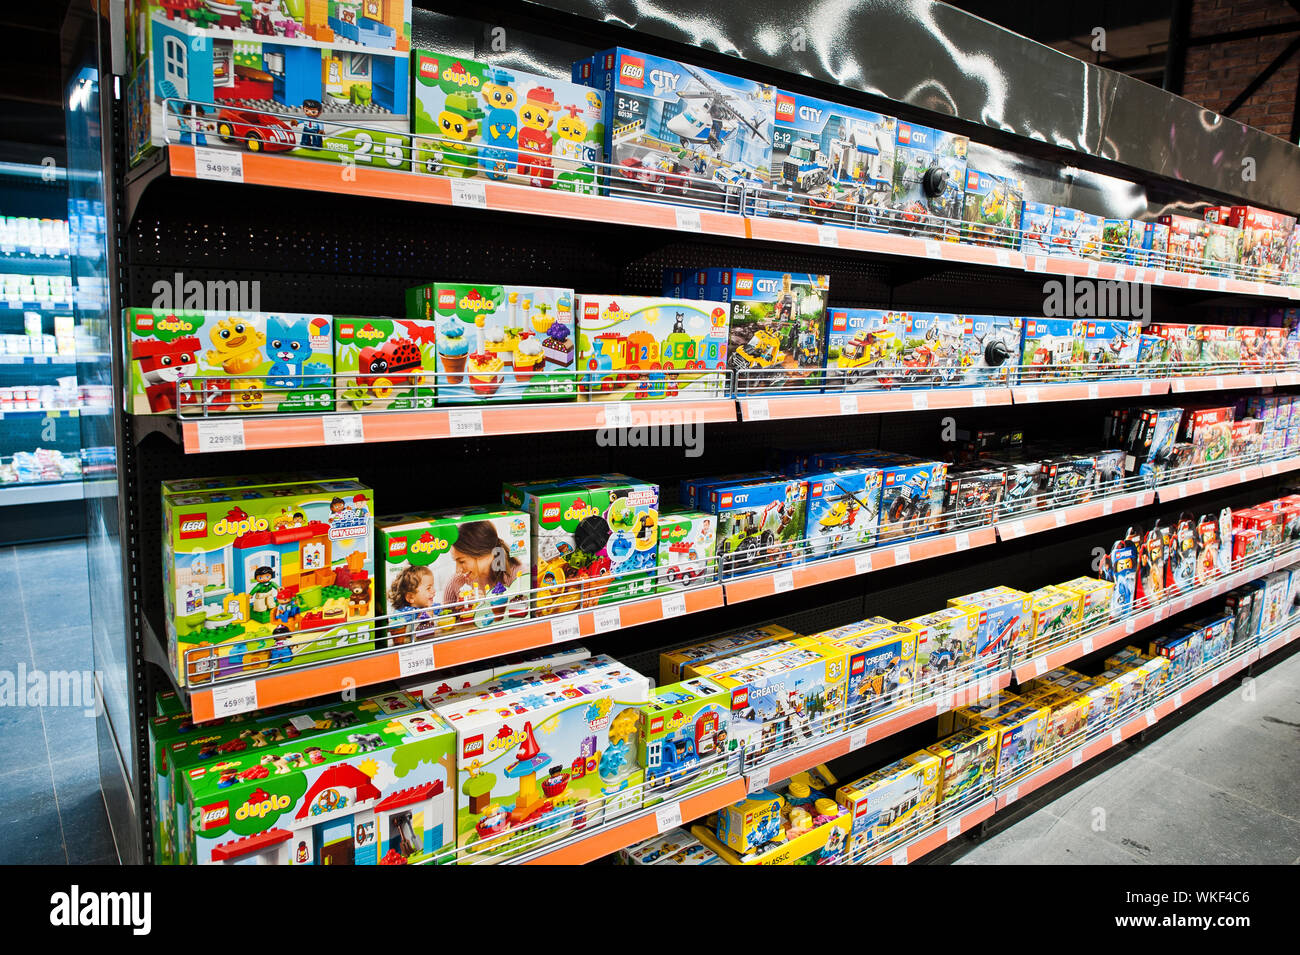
{"points": [[911, 500], [1076, 233], [687, 543], [386, 363], [929, 181], [895, 799], [454, 570], [262, 578], [843, 509], [595, 539], [761, 524], [498, 342], [474, 120], [992, 209], [228, 362], [864, 347], [324, 81], [378, 797], [989, 347], [637, 347], [679, 131], [683, 739], [1053, 348]]}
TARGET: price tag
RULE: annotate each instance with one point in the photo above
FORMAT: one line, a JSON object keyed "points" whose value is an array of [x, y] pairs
{"points": [[1087, 644], [963, 541], [1094, 391], [1107, 506], [618, 415], [1130, 625], [688, 220], [564, 629], [1178, 700], [858, 738], [1030, 395], [902, 555], [933, 250], [606, 619], [343, 429], [1140, 276], [1060, 520], [899, 856], [758, 778], [1077, 759], [1214, 679], [467, 423], [1092, 270], [415, 658], [471, 193], [1015, 529], [229, 699], [848, 404], [862, 563], [782, 581], [668, 816], [1116, 736], [301, 723], [1040, 666], [1002, 257], [1223, 285], [218, 164], [674, 605], [1036, 263], [944, 701], [920, 401], [1146, 388], [1218, 383], [828, 236], [1151, 717], [218, 435], [1012, 794], [758, 410], [979, 398]]}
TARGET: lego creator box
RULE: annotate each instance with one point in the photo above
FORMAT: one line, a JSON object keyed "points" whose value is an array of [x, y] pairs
{"points": [[911, 500], [687, 544], [683, 743], [328, 81], [843, 509], [673, 662], [992, 209], [1052, 347], [947, 642], [778, 323], [1036, 228], [678, 130], [228, 362], [826, 156], [969, 762], [453, 570], [1005, 620], [1021, 737], [385, 363], [635, 347], [929, 180], [595, 539], [379, 797], [896, 798], [990, 345], [1096, 596], [531, 774], [499, 342], [760, 525], [259, 579], [881, 663], [788, 699], [473, 120]]}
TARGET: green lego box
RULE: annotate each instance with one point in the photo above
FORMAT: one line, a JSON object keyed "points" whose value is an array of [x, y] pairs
{"points": [[385, 363], [687, 540], [683, 739]]}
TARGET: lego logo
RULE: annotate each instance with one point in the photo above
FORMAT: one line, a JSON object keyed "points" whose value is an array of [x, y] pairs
{"points": [[785, 107], [904, 133], [551, 512], [857, 667], [972, 180], [397, 547], [657, 724], [211, 817], [193, 525], [144, 322], [815, 490], [446, 298], [473, 746], [839, 321], [862, 809], [346, 331], [1031, 329], [428, 68], [740, 698], [744, 283], [591, 311], [726, 501], [631, 70]]}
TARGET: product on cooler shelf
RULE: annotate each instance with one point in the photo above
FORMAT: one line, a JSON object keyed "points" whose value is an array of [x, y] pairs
{"points": [[687, 543], [895, 799], [385, 363]]}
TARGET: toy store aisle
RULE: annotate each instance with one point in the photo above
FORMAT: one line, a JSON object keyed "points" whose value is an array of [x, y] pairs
{"points": [[1217, 789], [50, 801]]}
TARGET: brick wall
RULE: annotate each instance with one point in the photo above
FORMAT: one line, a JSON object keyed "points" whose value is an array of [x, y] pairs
{"points": [[1216, 74]]}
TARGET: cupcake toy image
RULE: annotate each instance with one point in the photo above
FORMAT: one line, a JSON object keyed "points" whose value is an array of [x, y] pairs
{"points": [[557, 346], [528, 357], [485, 374], [496, 340], [453, 349]]}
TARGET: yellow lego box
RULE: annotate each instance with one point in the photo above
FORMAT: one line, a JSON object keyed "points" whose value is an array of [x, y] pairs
{"points": [[1056, 617], [985, 708], [803, 826], [1021, 738], [895, 800], [1067, 722], [881, 660], [1096, 596], [946, 644], [969, 760], [672, 663]]}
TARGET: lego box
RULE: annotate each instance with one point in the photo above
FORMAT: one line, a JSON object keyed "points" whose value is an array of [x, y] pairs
{"points": [[897, 798], [760, 525], [843, 509], [672, 663], [992, 209], [683, 741], [385, 363], [472, 120], [929, 180], [687, 543], [228, 362]]}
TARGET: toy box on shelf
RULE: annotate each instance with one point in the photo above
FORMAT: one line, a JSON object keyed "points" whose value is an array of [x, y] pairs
{"points": [[448, 571], [680, 131], [385, 363], [512, 342], [863, 346], [1264, 239], [802, 826], [911, 499], [831, 161], [1155, 245], [969, 762], [1223, 247], [1052, 346], [314, 80], [1036, 228], [1075, 233], [544, 763], [1186, 251], [595, 539], [1004, 620], [989, 346], [474, 120], [992, 209], [946, 642], [636, 347], [675, 847], [683, 739], [672, 663], [369, 798], [248, 574], [687, 541], [881, 662], [843, 509], [929, 181], [243, 362], [895, 798], [760, 524]]}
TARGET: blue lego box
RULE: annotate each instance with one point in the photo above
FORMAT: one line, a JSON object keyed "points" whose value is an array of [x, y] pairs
{"points": [[1036, 228], [760, 524], [680, 131], [990, 348], [929, 181], [1113, 342], [863, 347], [843, 509], [1076, 234], [911, 500], [992, 209], [1051, 347]]}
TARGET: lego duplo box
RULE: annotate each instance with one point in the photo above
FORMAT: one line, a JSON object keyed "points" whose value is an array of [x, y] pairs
{"points": [[447, 571], [680, 131], [595, 539], [828, 155], [386, 363], [687, 542], [632, 346], [261, 578], [475, 120], [555, 764], [843, 509], [969, 759], [519, 692], [312, 80], [228, 362], [470, 675], [498, 342], [378, 797], [895, 799], [760, 524], [672, 663], [683, 738]]}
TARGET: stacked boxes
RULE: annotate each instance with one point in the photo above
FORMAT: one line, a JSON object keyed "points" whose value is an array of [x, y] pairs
{"points": [[895, 799], [683, 738]]}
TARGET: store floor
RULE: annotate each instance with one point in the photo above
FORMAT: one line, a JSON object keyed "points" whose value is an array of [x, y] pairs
{"points": [[1217, 789], [50, 804]]}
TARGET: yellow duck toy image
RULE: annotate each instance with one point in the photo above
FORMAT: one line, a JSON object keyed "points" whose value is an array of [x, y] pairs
{"points": [[236, 346]]}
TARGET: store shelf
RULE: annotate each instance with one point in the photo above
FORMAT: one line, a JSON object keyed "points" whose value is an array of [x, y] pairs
{"points": [[934, 839], [1029, 394], [1063, 517], [780, 407], [38, 359], [43, 493], [884, 243], [1216, 482], [1162, 278], [1223, 382]]}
